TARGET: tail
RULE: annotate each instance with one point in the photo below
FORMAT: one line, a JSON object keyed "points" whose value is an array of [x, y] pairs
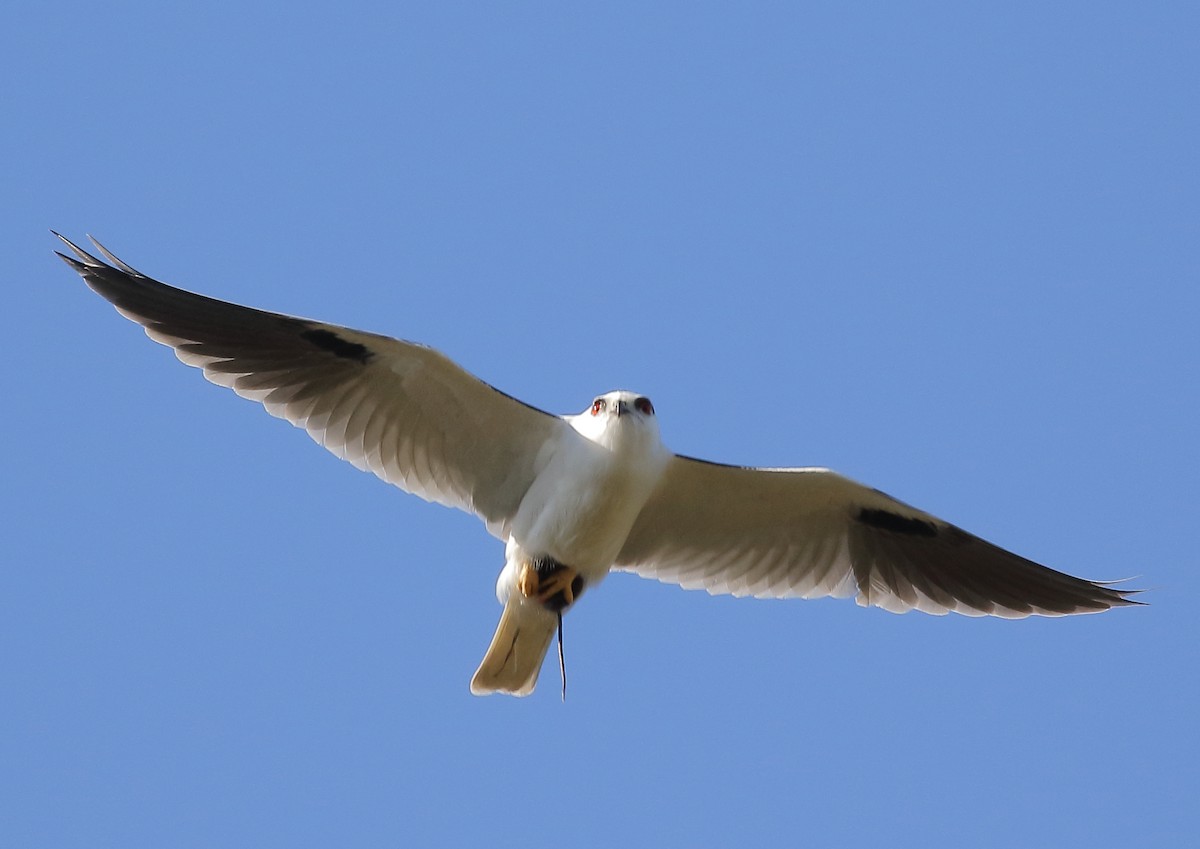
{"points": [[514, 658]]}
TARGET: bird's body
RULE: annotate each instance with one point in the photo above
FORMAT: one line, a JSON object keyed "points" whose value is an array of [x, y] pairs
{"points": [[581, 506], [575, 497], [577, 514]]}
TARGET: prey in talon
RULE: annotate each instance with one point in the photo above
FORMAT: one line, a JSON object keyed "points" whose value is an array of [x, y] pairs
{"points": [[555, 587], [549, 583]]}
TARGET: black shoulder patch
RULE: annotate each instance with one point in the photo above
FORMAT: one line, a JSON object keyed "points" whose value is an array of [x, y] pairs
{"points": [[894, 522], [329, 341]]}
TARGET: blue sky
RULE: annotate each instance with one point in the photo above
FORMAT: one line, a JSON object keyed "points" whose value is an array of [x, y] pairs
{"points": [[951, 250]]}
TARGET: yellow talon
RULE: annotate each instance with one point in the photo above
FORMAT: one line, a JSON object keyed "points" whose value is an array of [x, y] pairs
{"points": [[527, 580], [555, 588]]}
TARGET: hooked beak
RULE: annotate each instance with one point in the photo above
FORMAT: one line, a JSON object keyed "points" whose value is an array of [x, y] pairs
{"points": [[622, 408]]}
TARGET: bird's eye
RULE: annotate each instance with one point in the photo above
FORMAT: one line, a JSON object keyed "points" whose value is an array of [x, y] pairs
{"points": [[644, 406], [597, 406]]}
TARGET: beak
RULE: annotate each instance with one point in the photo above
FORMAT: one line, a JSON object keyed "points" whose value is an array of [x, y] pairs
{"points": [[622, 408]]}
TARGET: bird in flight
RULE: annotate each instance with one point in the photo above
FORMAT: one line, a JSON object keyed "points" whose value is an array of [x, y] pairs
{"points": [[575, 497]]}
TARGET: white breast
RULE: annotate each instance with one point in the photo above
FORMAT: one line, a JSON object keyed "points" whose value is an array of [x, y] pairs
{"points": [[582, 505]]}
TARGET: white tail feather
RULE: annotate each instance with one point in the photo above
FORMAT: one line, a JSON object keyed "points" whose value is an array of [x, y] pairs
{"points": [[514, 658]]}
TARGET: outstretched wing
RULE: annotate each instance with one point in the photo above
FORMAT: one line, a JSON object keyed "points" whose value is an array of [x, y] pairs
{"points": [[780, 533], [400, 410]]}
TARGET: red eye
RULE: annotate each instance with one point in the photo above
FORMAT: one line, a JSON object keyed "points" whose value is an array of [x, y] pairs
{"points": [[644, 406], [597, 406]]}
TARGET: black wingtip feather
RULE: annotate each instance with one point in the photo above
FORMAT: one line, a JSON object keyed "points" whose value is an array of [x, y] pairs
{"points": [[71, 261], [84, 258], [115, 260]]}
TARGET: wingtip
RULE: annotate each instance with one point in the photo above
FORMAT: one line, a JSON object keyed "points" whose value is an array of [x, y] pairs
{"points": [[1119, 596], [83, 257], [1109, 599], [87, 260], [113, 258], [1126, 601], [75, 264]]}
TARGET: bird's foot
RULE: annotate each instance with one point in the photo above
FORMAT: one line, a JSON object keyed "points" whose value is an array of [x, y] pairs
{"points": [[549, 583]]}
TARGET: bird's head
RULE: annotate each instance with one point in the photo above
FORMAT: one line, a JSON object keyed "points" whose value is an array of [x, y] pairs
{"points": [[619, 418]]}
